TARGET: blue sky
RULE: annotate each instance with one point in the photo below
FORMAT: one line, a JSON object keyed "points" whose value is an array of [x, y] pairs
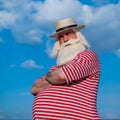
{"points": [[25, 49]]}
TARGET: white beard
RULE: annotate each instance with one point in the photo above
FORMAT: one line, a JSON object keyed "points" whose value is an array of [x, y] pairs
{"points": [[68, 50], [67, 53]]}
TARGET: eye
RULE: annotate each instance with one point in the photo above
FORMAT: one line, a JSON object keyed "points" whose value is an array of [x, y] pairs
{"points": [[69, 33], [60, 37]]}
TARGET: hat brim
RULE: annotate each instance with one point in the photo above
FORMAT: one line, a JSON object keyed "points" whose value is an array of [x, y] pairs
{"points": [[54, 35]]}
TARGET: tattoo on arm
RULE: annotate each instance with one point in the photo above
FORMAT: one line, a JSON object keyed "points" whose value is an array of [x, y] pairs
{"points": [[55, 77], [49, 75]]}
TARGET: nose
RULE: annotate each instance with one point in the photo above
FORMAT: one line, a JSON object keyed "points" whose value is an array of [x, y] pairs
{"points": [[66, 38]]}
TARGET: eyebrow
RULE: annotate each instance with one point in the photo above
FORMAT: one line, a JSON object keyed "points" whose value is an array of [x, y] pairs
{"points": [[66, 33]]}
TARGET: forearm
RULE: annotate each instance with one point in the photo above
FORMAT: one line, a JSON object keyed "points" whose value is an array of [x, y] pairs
{"points": [[55, 77], [39, 85]]}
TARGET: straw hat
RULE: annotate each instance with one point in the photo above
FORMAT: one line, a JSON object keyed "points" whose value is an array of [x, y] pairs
{"points": [[65, 24]]}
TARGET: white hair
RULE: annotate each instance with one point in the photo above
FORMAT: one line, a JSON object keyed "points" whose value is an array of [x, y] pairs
{"points": [[82, 39]]}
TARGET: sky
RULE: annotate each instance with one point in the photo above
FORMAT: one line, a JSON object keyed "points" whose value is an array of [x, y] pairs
{"points": [[25, 47]]}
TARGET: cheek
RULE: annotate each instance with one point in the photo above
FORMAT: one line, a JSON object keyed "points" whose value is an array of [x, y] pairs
{"points": [[75, 36], [61, 41]]}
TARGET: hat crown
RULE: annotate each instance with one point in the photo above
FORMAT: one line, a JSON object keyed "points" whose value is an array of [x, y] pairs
{"points": [[64, 23]]}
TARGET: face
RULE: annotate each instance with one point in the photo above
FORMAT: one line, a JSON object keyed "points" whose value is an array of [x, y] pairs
{"points": [[74, 43], [66, 36]]}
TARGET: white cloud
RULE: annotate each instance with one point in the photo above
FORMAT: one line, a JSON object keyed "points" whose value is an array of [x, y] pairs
{"points": [[117, 52], [49, 45], [30, 21], [34, 34], [27, 35], [52, 10], [1, 40], [103, 28], [7, 19], [31, 65], [12, 65], [16, 16]]}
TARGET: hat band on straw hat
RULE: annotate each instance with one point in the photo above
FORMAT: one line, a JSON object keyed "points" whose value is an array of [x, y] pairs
{"points": [[65, 24], [70, 26]]}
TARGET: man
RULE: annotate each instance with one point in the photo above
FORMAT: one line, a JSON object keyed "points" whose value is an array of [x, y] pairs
{"points": [[69, 90]]}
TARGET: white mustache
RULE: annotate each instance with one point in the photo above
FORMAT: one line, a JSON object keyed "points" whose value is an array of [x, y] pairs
{"points": [[69, 42]]}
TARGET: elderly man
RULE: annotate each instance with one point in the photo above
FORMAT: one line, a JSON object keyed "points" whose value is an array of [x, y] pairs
{"points": [[69, 90]]}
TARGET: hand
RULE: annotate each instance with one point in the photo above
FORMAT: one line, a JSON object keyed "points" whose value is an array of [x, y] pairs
{"points": [[39, 85]]}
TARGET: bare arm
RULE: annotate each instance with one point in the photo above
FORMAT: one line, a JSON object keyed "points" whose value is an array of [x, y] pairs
{"points": [[55, 77], [39, 85]]}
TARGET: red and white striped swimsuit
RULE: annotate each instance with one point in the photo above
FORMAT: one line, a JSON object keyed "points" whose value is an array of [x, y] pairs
{"points": [[77, 100]]}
